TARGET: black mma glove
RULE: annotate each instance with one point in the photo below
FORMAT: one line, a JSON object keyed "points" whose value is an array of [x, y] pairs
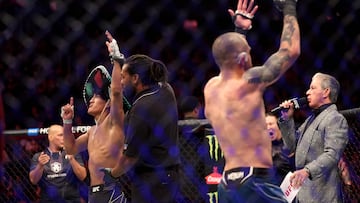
{"points": [[287, 7], [244, 15], [108, 178]]}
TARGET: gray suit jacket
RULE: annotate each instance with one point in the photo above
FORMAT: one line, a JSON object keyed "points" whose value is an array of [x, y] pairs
{"points": [[319, 149]]}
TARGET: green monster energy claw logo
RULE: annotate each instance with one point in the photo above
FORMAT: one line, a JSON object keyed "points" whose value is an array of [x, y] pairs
{"points": [[214, 148], [213, 197]]}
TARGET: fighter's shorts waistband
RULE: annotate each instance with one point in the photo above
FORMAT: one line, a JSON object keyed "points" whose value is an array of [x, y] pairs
{"points": [[240, 174], [101, 187]]}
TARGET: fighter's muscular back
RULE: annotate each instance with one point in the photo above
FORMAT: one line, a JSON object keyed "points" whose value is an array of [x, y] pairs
{"points": [[235, 109], [234, 99]]}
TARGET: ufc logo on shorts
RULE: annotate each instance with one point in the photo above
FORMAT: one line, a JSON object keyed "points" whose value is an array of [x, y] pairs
{"points": [[235, 175], [96, 189]]}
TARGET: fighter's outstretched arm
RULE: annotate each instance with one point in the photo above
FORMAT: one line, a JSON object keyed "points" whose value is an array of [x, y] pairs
{"points": [[288, 51], [116, 95], [72, 145]]}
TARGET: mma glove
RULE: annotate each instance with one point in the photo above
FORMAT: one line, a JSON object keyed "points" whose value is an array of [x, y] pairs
{"points": [[115, 53], [287, 7], [246, 15], [108, 178]]}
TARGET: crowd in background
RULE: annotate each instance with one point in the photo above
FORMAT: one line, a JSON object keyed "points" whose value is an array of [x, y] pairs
{"points": [[48, 53]]}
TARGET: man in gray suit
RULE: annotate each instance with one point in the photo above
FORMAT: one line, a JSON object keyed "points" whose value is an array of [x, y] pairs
{"points": [[318, 143]]}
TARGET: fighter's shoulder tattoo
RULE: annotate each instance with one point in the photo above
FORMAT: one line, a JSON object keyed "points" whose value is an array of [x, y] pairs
{"points": [[269, 71]]}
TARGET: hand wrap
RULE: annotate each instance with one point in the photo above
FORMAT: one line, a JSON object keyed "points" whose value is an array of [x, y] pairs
{"points": [[244, 15], [115, 53], [66, 121]]}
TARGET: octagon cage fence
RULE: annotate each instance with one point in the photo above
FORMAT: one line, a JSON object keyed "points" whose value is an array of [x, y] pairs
{"points": [[194, 174], [48, 46]]}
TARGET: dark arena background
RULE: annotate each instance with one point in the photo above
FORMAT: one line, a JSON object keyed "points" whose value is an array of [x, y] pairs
{"points": [[48, 47]]}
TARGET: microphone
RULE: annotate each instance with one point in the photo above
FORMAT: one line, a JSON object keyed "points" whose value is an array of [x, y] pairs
{"points": [[298, 103]]}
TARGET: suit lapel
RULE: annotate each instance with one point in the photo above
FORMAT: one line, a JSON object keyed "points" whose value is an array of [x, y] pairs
{"points": [[305, 140]]}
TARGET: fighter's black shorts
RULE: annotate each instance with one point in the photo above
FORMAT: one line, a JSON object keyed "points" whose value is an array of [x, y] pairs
{"points": [[237, 176], [109, 193], [249, 184]]}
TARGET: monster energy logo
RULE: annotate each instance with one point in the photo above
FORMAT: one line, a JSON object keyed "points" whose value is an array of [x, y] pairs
{"points": [[213, 197], [214, 147]]}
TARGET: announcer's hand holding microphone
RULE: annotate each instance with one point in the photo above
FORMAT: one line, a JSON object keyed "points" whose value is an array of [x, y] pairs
{"points": [[287, 109]]}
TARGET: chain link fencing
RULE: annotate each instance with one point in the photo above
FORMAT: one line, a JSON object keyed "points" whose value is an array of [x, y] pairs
{"points": [[201, 157], [49, 46]]}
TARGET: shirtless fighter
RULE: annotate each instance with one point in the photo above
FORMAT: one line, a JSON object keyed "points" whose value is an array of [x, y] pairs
{"points": [[105, 140], [235, 108]]}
